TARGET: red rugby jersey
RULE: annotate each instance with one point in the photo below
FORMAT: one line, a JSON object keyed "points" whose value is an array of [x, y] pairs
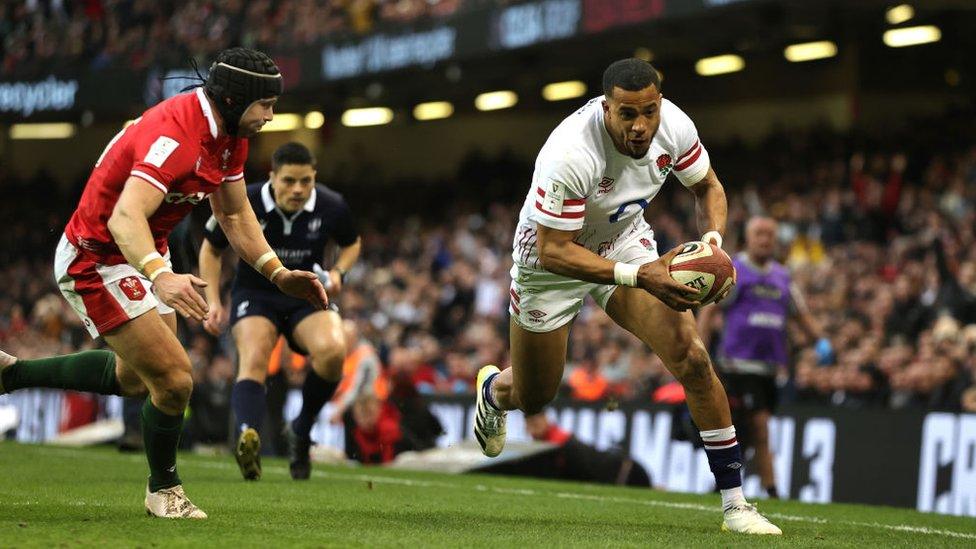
{"points": [[176, 148]]}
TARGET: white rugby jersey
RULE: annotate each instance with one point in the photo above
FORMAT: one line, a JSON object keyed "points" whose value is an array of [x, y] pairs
{"points": [[582, 182]]}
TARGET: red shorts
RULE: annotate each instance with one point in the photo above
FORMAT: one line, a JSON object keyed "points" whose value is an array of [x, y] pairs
{"points": [[104, 296]]}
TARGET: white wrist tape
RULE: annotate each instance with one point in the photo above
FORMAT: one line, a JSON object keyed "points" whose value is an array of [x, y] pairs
{"points": [[156, 273], [268, 256], [714, 237], [147, 259], [275, 273], [625, 274]]}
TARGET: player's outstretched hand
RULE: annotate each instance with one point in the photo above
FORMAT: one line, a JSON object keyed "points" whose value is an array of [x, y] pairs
{"points": [[655, 279], [179, 291], [304, 285], [216, 321]]}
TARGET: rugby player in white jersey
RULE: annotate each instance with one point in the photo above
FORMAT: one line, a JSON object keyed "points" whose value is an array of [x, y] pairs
{"points": [[582, 232]]}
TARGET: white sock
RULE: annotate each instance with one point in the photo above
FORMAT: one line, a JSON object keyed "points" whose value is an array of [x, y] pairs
{"points": [[733, 497]]}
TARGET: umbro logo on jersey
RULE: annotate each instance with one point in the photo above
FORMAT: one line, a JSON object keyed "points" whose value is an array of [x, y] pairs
{"points": [[605, 186]]}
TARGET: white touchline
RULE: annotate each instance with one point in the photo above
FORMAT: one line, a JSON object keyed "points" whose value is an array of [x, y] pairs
{"points": [[523, 491]]}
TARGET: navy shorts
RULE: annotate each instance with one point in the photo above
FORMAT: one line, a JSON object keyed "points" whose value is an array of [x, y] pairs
{"points": [[284, 311]]}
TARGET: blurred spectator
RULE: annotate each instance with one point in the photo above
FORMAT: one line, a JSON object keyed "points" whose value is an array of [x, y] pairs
{"points": [[41, 36]]}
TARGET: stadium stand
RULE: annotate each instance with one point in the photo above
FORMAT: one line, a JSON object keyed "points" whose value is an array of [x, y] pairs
{"points": [[887, 260]]}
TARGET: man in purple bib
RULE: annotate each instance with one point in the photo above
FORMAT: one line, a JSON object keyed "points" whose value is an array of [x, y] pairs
{"points": [[754, 342]]}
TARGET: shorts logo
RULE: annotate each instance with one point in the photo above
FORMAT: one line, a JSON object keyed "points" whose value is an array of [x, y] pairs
{"points": [[536, 314], [242, 308], [224, 159], [132, 287], [605, 186]]}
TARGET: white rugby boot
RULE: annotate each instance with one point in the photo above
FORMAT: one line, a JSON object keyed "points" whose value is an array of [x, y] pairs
{"points": [[171, 503], [489, 423], [746, 519]]}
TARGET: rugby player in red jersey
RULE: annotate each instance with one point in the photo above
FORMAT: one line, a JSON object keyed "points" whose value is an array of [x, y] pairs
{"points": [[112, 264]]}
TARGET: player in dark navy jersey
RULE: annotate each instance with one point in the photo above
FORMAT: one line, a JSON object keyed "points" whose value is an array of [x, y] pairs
{"points": [[299, 218]]}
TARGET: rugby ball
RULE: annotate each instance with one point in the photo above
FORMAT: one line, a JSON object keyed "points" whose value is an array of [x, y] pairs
{"points": [[704, 267]]}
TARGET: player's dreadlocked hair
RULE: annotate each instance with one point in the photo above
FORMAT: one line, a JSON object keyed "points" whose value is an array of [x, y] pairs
{"points": [[631, 75], [239, 77]]}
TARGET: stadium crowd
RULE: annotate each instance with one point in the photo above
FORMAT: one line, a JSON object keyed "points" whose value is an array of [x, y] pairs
{"points": [[881, 241], [44, 35]]}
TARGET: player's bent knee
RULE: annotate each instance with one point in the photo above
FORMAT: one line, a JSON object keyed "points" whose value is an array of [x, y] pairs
{"points": [[330, 353], [173, 390], [695, 371]]}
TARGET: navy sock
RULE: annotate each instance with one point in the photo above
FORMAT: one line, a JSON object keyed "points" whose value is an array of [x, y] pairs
{"points": [[724, 457], [248, 401], [315, 393], [486, 392]]}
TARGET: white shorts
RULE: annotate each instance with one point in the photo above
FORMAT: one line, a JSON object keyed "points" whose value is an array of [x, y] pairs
{"points": [[104, 296], [542, 301]]}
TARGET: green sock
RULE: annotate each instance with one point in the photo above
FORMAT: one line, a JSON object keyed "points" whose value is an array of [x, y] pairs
{"points": [[161, 435], [88, 371]]}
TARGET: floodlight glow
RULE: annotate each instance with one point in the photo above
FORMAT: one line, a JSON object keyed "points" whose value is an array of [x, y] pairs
{"points": [[493, 101], [720, 64], [371, 116], [912, 36], [809, 51]]}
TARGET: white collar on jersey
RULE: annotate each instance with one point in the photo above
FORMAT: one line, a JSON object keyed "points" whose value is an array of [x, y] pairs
{"points": [[269, 203], [207, 112]]}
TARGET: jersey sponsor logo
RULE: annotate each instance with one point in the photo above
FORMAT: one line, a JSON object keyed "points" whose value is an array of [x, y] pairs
{"points": [[760, 319], [766, 291], [160, 151], [180, 198], [664, 164], [132, 287], [605, 186]]}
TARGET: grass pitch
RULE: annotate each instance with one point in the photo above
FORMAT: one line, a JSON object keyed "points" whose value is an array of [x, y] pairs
{"points": [[67, 497]]}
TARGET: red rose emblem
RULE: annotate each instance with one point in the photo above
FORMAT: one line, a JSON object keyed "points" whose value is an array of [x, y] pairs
{"points": [[663, 161]]}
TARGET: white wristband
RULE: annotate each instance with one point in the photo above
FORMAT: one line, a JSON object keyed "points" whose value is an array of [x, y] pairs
{"points": [[714, 237], [275, 273], [147, 259], [625, 274], [268, 256], [156, 273]]}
